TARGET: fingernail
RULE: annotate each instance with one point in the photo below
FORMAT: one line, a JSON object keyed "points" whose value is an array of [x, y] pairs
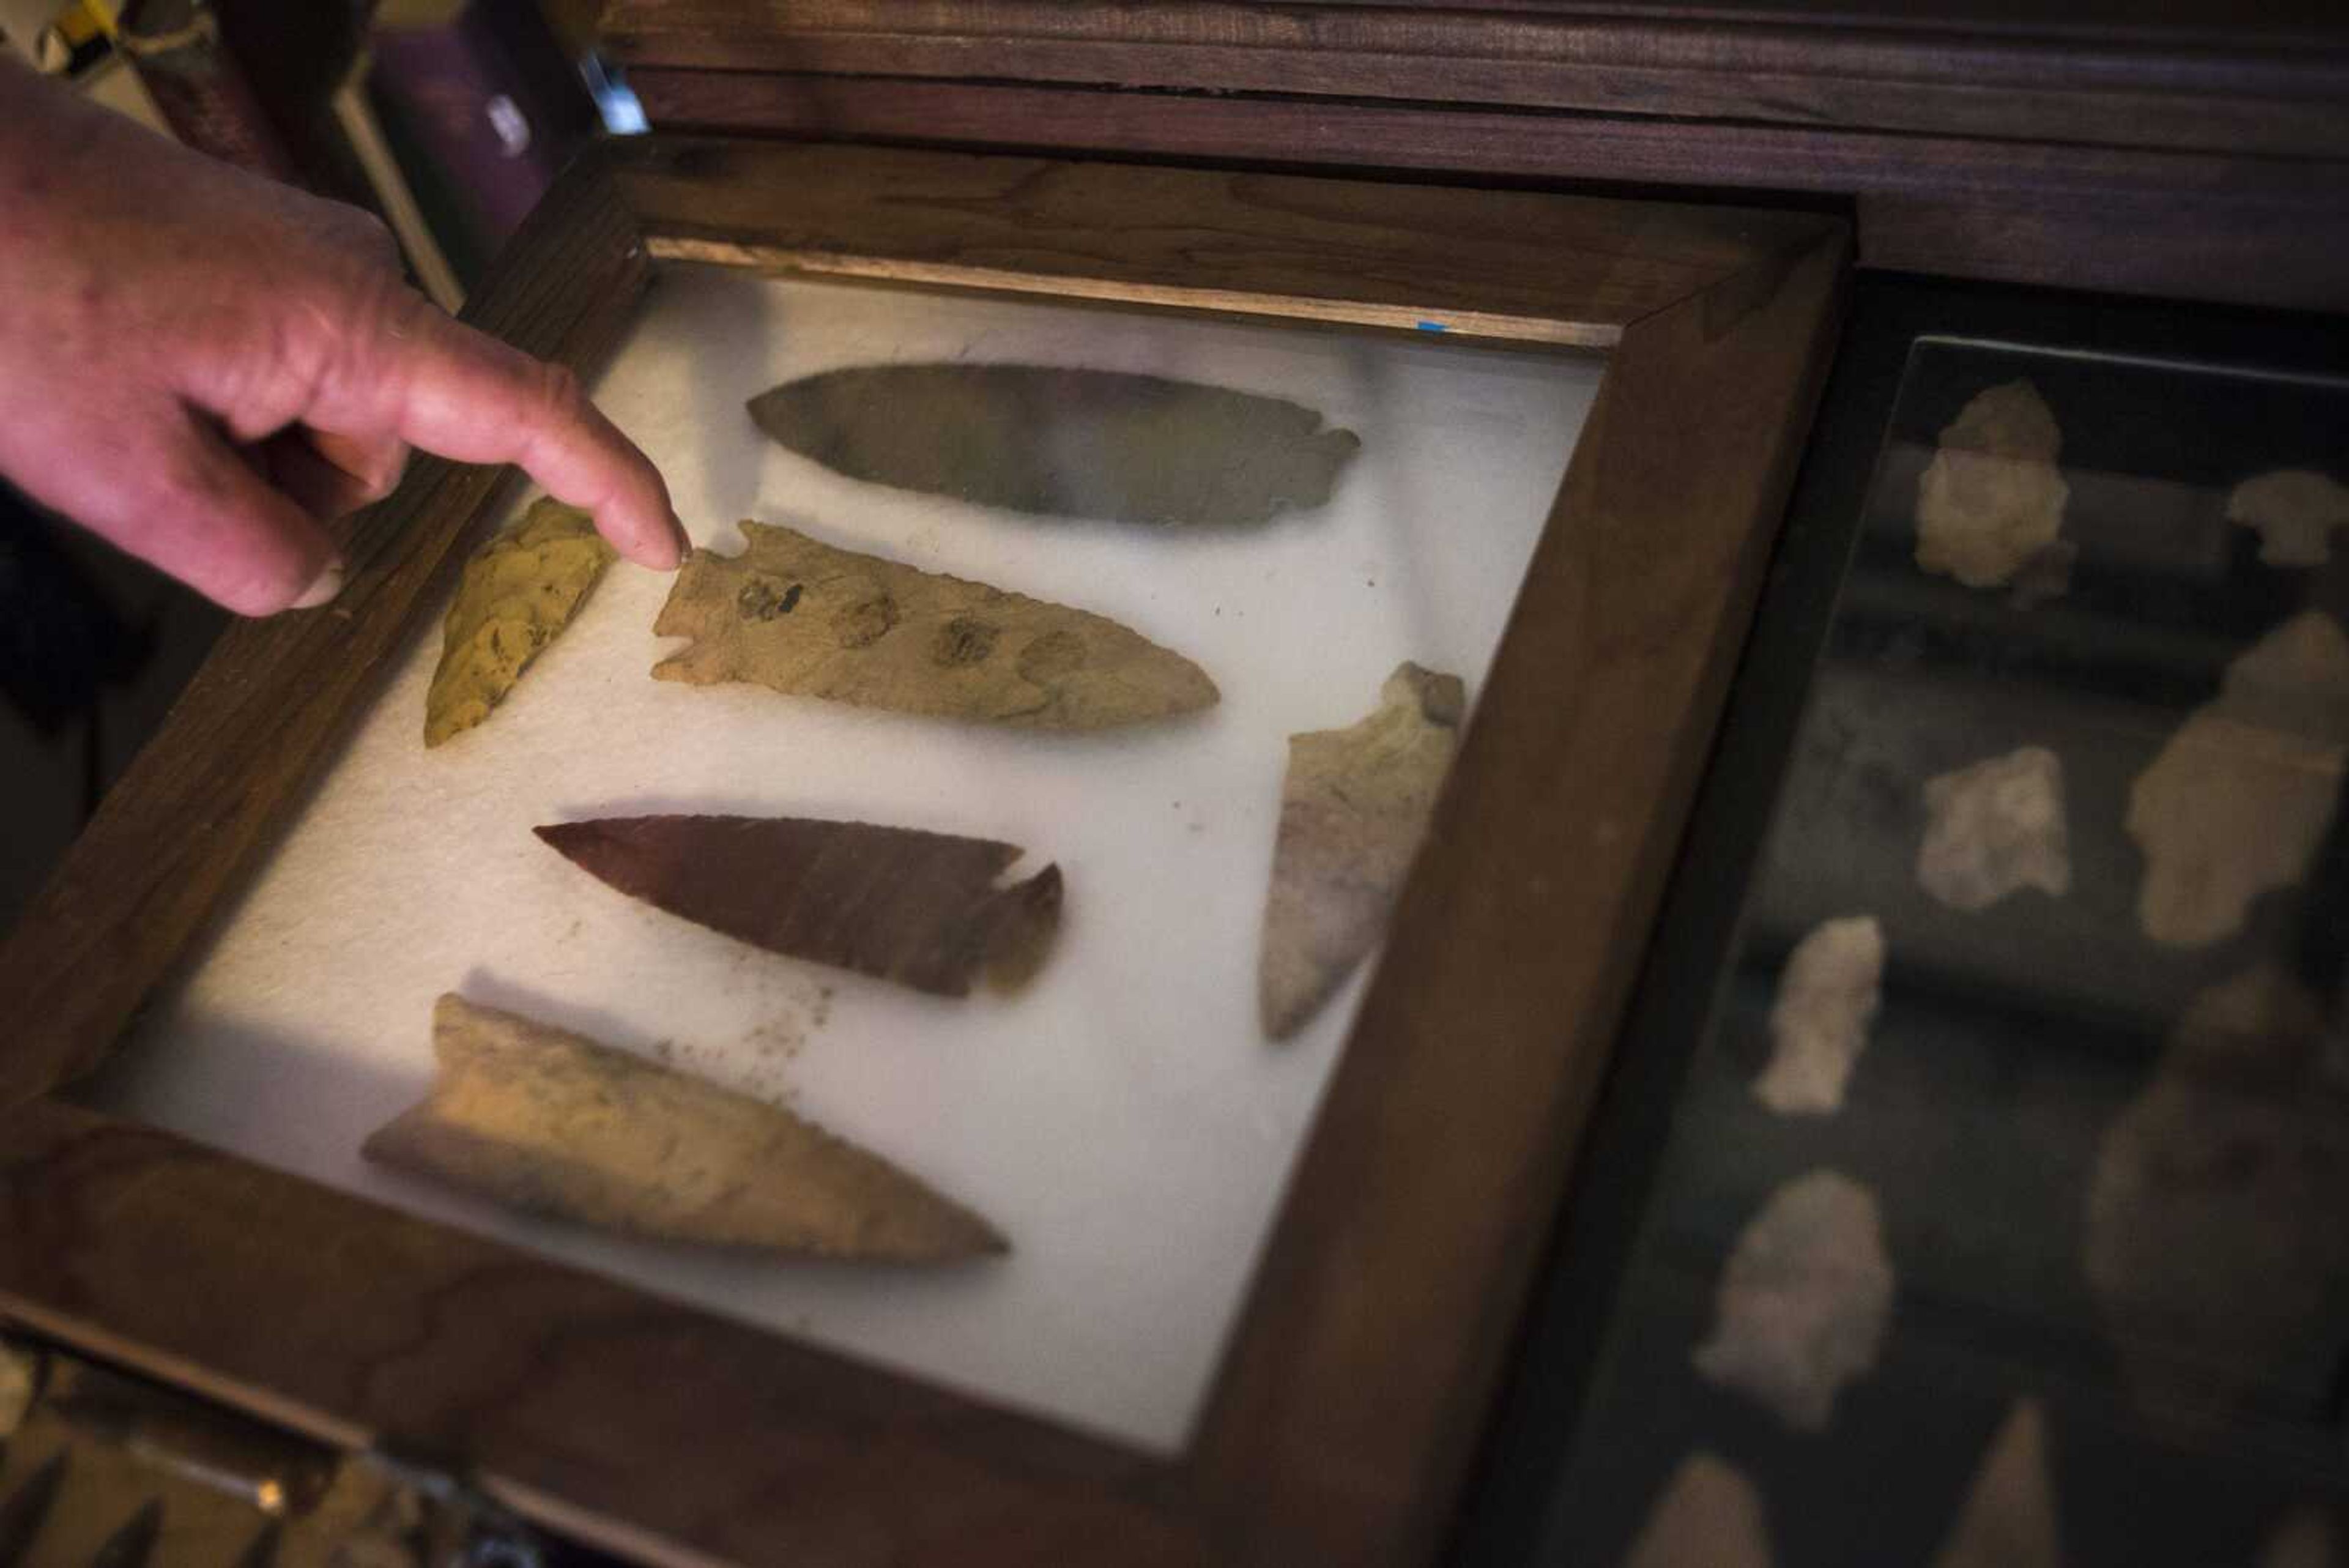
{"points": [[323, 591], [684, 539]]}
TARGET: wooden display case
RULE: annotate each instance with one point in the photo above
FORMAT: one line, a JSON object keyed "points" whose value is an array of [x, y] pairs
{"points": [[1350, 1392]]}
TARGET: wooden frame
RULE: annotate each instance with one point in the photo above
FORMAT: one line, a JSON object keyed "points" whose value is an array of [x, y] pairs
{"points": [[2257, 77], [1350, 1399], [2193, 149]]}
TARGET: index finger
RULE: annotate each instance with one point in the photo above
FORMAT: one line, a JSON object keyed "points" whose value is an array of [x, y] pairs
{"points": [[464, 395]]}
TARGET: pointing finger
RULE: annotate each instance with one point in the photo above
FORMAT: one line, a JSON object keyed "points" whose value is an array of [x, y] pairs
{"points": [[467, 396]]}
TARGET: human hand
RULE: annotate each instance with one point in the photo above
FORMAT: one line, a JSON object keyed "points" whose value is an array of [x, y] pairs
{"points": [[204, 367]]}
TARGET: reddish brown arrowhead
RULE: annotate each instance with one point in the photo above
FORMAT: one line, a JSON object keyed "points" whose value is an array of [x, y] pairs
{"points": [[922, 908]]}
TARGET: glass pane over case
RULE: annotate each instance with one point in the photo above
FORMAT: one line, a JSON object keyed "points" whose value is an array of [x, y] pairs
{"points": [[2003, 1214], [1121, 1119]]}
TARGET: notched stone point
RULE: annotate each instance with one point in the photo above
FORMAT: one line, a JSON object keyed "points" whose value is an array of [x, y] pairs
{"points": [[925, 910], [857, 628], [1354, 807]]}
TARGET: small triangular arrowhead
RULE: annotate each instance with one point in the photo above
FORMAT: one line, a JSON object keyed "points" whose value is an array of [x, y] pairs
{"points": [[1353, 808]]}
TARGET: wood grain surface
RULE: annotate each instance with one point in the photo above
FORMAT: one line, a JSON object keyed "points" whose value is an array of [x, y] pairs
{"points": [[2261, 80], [1353, 1392], [1340, 1422], [2173, 18], [1524, 268], [184, 825], [2251, 230], [649, 1429]]}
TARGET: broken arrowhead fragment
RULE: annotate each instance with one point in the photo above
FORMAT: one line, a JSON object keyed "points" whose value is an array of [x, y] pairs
{"points": [[921, 909], [1074, 443], [1828, 996], [806, 619], [518, 593], [1992, 500], [1994, 827], [551, 1123], [1352, 810], [2239, 798], [2295, 511], [1804, 1300]]}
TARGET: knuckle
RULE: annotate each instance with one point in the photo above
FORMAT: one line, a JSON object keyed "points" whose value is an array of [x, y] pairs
{"points": [[403, 312], [374, 309], [560, 393], [273, 374], [383, 297]]}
